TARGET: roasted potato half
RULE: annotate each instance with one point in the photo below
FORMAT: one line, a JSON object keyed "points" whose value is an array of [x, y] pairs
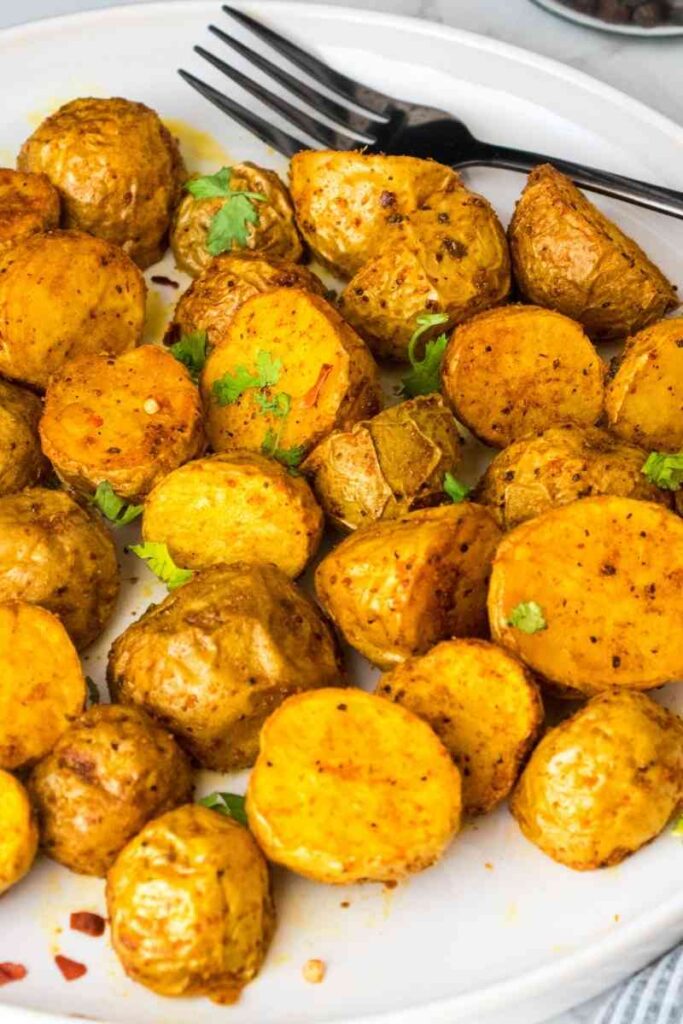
{"points": [[29, 203], [18, 832], [568, 256], [117, 168], [190, 906], [396, 588], [22, 462], [484, 706], [589, 595], [604, 782], [108, 775], [348, 787], [219, 654], [57, 554]]}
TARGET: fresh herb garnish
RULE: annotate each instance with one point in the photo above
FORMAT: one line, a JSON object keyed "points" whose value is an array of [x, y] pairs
{"points": [[289, 457], [159, 560], [231, 386], [229, 804], [425, 375], [664, 470], [93, 692], [455, 490], [678, 827], [528, 617], [191, 352], [231, 223], [279, 405], [113, 508]]}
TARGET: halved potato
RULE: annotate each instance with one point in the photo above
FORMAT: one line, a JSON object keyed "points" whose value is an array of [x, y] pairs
{"points": [[18, 832], [28, 204], [22, 462]]}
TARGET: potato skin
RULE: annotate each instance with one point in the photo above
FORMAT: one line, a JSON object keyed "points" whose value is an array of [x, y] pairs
{"points": [[396, 588], [348, 787], [190, 906], [22, 462], [108, 775], [213, 660], [556, 466], [604, 782], [567, 256], [607, 574], [117, 168], [59, 555], [28, 204], [18, 832], [387, 466]]}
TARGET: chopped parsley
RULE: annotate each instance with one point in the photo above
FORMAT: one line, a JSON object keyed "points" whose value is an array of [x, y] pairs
{"points": [[230, 225], [93, 692], [664, 470], [231, 386], [113, 508], [425, 375], [528, 617], [159, 560], [229, 804], [191, 352], [455, 490]]}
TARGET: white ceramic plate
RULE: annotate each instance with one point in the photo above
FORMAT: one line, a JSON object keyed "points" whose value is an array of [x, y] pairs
{"points": [[497, 932], [557, 7]]}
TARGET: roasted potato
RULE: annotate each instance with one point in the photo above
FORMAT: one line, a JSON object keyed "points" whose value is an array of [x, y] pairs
{"points": [[117, 168], [570, 257], [213, 660], [57, 554], [22, 462], [18, 832], [396, 588], [509, 371], [108, 775], [556, 466], [318, 363], [272, 233], [482, 704], [348, 787], [589, 595], [65, 294], [129, 421], [604, 782], [190, 906], [28, 204], [387, 466], [644, 399]]}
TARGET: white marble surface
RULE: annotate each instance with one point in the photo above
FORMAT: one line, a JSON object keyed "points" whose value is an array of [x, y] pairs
{"points": [[650, 70]]}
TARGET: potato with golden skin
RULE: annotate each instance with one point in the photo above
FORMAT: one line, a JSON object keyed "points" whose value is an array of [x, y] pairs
{"points": [[29, 203], [568, 256], [117, 168], [348, 787], [18, 832], [22, 462], [111, 772], [604, 782], [55, 553], [190, 906], [396, 588]]}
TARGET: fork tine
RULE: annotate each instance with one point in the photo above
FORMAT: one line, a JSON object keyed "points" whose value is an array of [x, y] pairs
{"points": [[268, 133]]}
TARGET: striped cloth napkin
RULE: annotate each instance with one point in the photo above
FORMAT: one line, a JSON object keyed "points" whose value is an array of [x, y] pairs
{"points": [[653, 996]]}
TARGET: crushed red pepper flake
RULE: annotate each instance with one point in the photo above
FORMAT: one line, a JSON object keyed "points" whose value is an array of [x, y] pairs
{"points": [[310, 399], [71, 969], [11, 972], [88, 923]]}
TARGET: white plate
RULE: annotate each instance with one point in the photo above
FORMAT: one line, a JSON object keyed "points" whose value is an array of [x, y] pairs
{"points": [[497, 932], [557, 7]]}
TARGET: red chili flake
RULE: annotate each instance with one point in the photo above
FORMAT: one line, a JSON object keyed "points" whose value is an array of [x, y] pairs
{"points": [[11, 972], [71, 969], [311, 397], [89, 924], [162, 279]]}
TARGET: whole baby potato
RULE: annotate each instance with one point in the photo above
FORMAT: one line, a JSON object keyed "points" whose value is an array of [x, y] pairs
{"points": [[18, 832], [28, 204], [604, 782], [22, 462]]}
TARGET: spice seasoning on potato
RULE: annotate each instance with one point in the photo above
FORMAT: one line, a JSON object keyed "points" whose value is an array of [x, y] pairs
{"points": [[22, 462], [18, 836], [29, 203]]}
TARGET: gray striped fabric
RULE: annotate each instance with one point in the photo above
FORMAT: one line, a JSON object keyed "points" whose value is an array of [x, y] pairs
{"points": [[654, 996]]}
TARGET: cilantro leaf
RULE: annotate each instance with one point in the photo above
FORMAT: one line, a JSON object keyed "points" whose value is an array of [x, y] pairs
{"points": [[425, 375], [528, 617], [664, 470], [112, 507], [93, 692], [278, 405], [289, 457], [211, 186], [268, 368], [228, 388], [159, 560], [191, 352], [230, 224], [455, 490], [229, 804]]}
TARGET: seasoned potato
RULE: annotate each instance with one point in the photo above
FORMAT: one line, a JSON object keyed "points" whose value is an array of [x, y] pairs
{"points": [[28, 204], [606, 575], [521, 368], [317, 361], [213, 660], [233, 507], [22, 462], [603, 782], [65, 294], [396, 588], [556, 466], [190, 906], [274, 232], [57, 554], [387, 466], [482, 704], [18, 832], [117, 169], [108, 775], [129, 421], [570, 257], [348, 787], [644, 399]]}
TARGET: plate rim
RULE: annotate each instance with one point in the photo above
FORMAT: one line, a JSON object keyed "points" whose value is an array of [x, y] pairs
{"points": [[589, 21]]}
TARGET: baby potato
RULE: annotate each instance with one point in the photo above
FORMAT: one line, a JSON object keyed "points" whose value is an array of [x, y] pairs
{"points": [[62, 295], [234, 507], [644, 399], [190, 906], [396, 588], [22, 462], [482, 704], [128, 420], [18, 832], [59, 555], [108, 775], [117, 168], [516, 369], [348, 787], [556, 466], [273, 232], [298, 369], [28, 204], [604, 782], [219, 654], [387, 466], [568, 256], [589, 595]]}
